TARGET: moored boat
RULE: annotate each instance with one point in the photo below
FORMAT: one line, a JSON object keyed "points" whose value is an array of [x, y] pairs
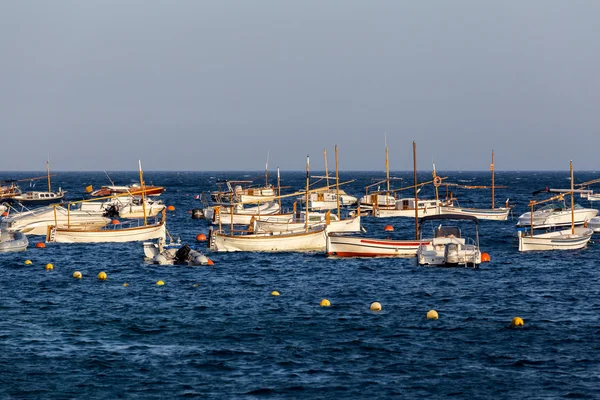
{"points": [[12, 241], [449, 248], [567, 239], [311, 239], [357, 246], [37, 221]]}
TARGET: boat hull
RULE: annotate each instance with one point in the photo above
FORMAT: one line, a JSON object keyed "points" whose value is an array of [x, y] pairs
{"points": [[345, 225], [13, 242], [352, 246], [113, 234], [559, 240], [496, 214], [315, 240], [36, 222], [556, 219]]}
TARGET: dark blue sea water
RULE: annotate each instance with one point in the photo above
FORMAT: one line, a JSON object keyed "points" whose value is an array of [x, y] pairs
{"points": [[216, 332]]}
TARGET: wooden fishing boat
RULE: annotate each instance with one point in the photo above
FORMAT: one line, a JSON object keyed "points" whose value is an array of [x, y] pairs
{"points": [[357, 246], [495, 214], [36, 221], [350, 224], [33, 198], [130, 231], [307, 239], [239, 214], [567, 239], [311, 239]]}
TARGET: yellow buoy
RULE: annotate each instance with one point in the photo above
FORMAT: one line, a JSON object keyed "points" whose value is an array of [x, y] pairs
{"points": [[102, 276], [89, 189], [432, 314], [160, 283], [274, 293], [325, 303], [517, 321], [49, 267], [126, 284], [77, 275], [376, 306], [28, 262]]}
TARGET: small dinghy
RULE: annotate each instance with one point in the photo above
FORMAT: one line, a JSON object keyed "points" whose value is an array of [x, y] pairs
{"points": [[173, 254], [12, 241]]}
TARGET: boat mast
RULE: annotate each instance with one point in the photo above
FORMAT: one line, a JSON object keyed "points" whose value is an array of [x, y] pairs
{"points": [[307, 182], [416, 191], [387, 169], [492, 168], [326, 169], [572, 199], [337, 183], [48, 172], [437, 195], [267, 171], [143, 192], [279, 188]]}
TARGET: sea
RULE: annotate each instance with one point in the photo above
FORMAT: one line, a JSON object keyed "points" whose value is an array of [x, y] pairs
{"points": [[218, 332]]}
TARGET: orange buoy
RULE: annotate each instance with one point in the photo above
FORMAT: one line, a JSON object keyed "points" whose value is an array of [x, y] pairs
{"points": [[201, 237], [40, 245], [388, 228], [5, 213], [210, 262], [171, 208], [115, 222], [485, 257]]}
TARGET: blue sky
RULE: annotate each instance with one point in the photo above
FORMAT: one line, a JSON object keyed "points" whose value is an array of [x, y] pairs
{"points": [[216, 85]]}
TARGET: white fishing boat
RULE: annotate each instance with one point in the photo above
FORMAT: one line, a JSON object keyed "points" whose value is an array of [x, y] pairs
{"points": [[311, 239], [495, 214], [327, 199], [40, 198], [405, 207], [350, 224], [12, 241], [129, 231], [239, 214], [556, 215], [37, 221], [357, 246], [122, 207], [567, 239], [307, 239], [449, 248], [240, 191]]}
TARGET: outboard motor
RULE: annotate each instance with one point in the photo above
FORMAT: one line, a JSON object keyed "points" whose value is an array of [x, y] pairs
{"points": [[182, 254], [451, 253], [197, 213], [111, 212]]}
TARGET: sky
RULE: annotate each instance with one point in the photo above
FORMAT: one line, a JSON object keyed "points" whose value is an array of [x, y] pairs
{"points": [[193, 85]]}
